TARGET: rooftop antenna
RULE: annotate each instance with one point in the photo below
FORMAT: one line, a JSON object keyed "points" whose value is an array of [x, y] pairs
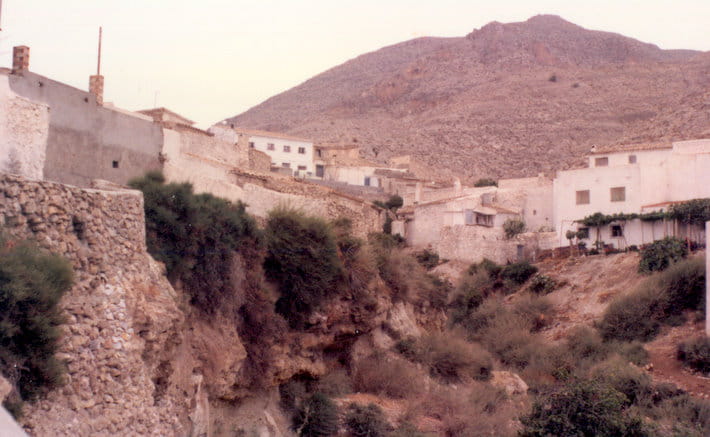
{"points": [[98, 65]]}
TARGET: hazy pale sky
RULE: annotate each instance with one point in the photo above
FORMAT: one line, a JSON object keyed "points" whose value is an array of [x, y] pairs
{"points": [[212, 59]]}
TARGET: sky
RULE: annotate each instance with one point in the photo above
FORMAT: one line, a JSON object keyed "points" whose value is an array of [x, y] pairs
{"points": [[213, 59]]}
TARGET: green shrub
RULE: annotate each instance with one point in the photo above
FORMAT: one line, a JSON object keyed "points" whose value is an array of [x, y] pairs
{"points": [[534, 311], [635, 316], [542, 284], [470, 293], [486, 265], [513, 227], [394, 202], [196, 236], [660, 254], [695, 353], [660, 299], [485, 182], [317, 417], [302, 259], [427, 258], [581, 408], [31, 285], [518, 272], [366, 421], [626, 379]]}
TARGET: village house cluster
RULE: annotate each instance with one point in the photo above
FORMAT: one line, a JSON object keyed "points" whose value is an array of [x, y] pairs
{"points": [[52, 131]]}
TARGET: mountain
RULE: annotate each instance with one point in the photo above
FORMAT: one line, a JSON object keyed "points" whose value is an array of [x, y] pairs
{"points": [[505, 100]]}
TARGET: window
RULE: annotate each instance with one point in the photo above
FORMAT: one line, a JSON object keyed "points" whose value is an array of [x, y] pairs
{"points": [[251, 144], [484, 219], [601, 162], [270, 146], [301, 167], [302, 150], [286, 164], [114, 164], [618, 194], [319, 153], [468, 216], [320, 171], [583, 233], [367, 181], [617, 231], [287, 149], [582, 197], [632, 159]]}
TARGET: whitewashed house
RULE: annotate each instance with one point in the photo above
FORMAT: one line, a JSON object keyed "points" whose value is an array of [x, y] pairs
{"points": [[289, 154], [631, 179]]}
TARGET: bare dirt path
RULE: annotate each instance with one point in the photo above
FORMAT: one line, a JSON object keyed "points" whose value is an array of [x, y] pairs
{"points": [[667, 368]]}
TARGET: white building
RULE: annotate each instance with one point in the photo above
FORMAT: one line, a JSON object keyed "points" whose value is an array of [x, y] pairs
{"points": [[288, 153], [637, 178]]}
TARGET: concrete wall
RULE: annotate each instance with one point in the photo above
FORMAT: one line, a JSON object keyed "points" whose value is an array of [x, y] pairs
{"points": [[207, 173], [24, 129], [85, 138], [352, 175]]}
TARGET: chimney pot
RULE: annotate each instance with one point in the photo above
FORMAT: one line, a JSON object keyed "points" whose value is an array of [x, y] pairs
{"points": [[96, 87], [20, 59]]}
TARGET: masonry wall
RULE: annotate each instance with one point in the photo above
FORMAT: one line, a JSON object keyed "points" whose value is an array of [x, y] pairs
{"points": [[122, 313], [473, 243], [24, 129], [263, 193], [85, 139]]}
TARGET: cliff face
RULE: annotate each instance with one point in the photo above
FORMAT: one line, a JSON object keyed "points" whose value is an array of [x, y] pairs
{"points": [[140, 361]]}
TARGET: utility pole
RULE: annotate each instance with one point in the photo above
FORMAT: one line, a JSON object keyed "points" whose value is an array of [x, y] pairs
{"points": [[98, 65], [96, 82]]}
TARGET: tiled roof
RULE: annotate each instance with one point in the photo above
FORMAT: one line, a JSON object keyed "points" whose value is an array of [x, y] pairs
{"points": [[631, 147]]}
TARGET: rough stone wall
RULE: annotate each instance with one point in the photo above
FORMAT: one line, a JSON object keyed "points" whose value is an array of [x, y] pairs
{"points": [[473, 243], [122, 312], [263, 193], [259, 161], [24, 128]]}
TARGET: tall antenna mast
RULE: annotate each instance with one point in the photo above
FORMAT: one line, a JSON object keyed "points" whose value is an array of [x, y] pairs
{"points": [[98, 65]]}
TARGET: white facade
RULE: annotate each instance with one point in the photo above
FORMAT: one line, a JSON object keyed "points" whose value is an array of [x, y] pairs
{"points": [[286, 152], [632, 181]]}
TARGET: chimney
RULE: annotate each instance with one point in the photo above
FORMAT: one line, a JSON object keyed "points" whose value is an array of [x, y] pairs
{"points": [[96, 87], [20, 59]]}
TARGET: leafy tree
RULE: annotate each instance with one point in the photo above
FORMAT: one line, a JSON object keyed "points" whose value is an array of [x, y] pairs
{"points": [[196, 236], [302, 259], [513, 227], [660, 254], [581, 408], [317, 417]]}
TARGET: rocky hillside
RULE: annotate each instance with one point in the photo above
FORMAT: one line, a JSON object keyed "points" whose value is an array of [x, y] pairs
{"points": [[506, 100]]}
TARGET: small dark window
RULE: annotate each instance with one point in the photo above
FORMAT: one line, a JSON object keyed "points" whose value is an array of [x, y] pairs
{"points": [[286, 164], [632, 159], [617, 231], [287, 149], [583, 233], [114, 164], [601, 162], [618, 194], [319, 153], [302, 150], [582, 197], [251, 144]]}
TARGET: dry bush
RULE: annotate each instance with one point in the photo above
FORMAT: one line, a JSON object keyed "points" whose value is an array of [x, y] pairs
{"points": [[452, 359], [387, 375], [510, 340], [336, 383], [480, 409], [536, 311]]}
